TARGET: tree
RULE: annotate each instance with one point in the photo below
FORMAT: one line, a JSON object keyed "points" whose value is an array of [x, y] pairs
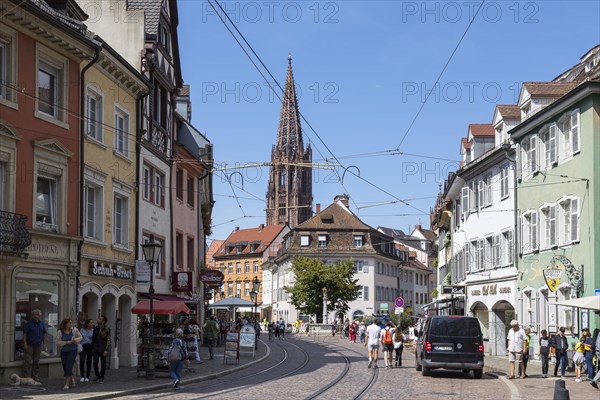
{"points": [[312, 275]]}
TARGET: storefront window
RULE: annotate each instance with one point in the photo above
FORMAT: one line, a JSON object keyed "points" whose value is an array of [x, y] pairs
{"points": [[36, 294]]}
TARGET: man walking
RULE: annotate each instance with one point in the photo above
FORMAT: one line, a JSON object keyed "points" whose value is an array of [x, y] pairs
{"points": [[372, 342], [100, 347], [516, 348], [34, 342], [589, 352], [387, 340], [560, 345], [210, 333]]}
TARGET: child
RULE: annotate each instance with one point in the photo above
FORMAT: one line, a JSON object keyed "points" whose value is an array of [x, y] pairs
{"points": [[579, 358], [544, 352]]}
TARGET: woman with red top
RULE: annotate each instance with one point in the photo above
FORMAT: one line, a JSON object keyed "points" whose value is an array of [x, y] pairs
{"points": [[352, 331]]}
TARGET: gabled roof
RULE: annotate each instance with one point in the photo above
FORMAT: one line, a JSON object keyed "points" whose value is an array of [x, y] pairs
{"points": [[482, 130], [416, 264], [340, 217], [548, 89], [262, 234], [465, 143], [509, 111], [428, 234], [394, 233], [151, 9], [212, 249]]}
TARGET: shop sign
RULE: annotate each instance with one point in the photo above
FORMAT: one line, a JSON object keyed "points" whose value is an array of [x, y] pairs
{"points": [[489, 289], [504, 290], [212, 277], [552, 278], [183, 281], [476, 292], [453, 289], [383, 306], [110, 271]]}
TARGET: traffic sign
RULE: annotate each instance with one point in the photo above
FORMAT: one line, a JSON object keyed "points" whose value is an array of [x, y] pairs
{"points": [[398, 310], [399, 302]]}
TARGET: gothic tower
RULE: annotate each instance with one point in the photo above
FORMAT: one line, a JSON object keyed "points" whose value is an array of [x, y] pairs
{"points": [[289, 195]]}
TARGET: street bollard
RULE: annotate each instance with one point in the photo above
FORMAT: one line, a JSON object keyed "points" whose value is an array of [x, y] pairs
{"points": [[560, 392]]}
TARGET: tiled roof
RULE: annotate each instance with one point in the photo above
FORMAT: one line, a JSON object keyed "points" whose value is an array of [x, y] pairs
{"points": [[465, 143], [548, 89], [429, 235], [212, 249], [395, 233], [185, 90], [509, 111], [482, 130], [262, 235], [414, 263], [339, 217], [151, 9]]}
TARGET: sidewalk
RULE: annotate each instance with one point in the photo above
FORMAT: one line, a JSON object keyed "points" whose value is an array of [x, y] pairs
{"points": [[125, 381]]}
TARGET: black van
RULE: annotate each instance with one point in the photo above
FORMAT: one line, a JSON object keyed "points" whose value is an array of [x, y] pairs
{"points": [[450, 342]]}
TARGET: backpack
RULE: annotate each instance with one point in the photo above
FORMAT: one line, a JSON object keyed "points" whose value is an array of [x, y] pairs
{"points": [[175, 351], [387, 337]]}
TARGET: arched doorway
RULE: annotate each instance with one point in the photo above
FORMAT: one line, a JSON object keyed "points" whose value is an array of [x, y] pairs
{"points": [[499, 323], [126, 333], [481, 312], [358, 315]]}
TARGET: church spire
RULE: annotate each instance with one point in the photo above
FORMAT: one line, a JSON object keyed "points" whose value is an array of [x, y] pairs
{"points": [[289, 195]]}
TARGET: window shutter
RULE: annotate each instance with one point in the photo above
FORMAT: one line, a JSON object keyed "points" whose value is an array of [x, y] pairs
{"points": [[524, 234], [465, 201], [534, 230], [552, 223], [574, 220], [533, 154], [365, 293], [575, 131], [480, 194], [552, 144]]}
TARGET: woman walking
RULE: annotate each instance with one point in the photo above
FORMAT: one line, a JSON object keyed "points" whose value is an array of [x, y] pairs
{"points": [[67, 339], [398, 346], [85, 356], [177, 354]]}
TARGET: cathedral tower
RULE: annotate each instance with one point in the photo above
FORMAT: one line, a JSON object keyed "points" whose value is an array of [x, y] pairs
{"points": [[289, 195]]}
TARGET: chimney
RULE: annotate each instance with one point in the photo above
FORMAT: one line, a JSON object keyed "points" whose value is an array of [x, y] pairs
{"points": [[237, 228], [261, 227], [343, 198], [318, 208]]}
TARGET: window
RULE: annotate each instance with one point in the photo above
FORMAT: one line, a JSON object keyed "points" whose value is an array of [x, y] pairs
{"points": [[159, 266], [255, 266], [153, 185], [548, 225], [48, 89], [94, 104], [481, 194], [230, 268], [246, 288], [164, 37], [93, 211], [230, 289], [487, 182], [160, 105], [8, 76], [507, 248], [464, 201], [282, 209], [238, 268], [282, 181], [358, 241], [569, 127], [179, 183], [529, 229], [322, 240], [190, 253], [548, 139], [122, 132], [360, 266], [238, 289], [481, 246], [179, 250], [147, 188], [45, 203], [190, 192], [495, 251], [569, 220], [504, 183], [158, 189], [247, 267], [121, 220], [473, 196]]}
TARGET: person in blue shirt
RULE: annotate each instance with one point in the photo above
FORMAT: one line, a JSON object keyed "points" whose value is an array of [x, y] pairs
{"points": [[34, 342], [589, 352]]}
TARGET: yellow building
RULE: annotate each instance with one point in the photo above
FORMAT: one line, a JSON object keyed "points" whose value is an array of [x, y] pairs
{"points": [[108, 205]]}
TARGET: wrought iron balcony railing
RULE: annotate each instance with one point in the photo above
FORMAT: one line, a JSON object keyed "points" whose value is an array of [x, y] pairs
{"points": [[14, 236], [158, 137]]}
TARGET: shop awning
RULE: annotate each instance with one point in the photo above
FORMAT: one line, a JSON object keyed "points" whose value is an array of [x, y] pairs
{"points": [[161, 307], [589, 302]]}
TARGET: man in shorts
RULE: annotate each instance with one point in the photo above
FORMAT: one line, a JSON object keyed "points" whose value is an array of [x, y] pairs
{"points": [[372, 335], [516, 348]]}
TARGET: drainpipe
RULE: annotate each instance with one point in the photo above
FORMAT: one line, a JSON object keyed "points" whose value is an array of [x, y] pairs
{"points": [[82, 122], [513, 161]]}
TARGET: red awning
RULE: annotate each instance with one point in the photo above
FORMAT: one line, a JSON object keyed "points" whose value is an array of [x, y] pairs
{"points": [[161, 307]]}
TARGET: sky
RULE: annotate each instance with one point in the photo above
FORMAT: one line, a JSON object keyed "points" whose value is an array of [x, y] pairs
{"points": [[365, 74]]}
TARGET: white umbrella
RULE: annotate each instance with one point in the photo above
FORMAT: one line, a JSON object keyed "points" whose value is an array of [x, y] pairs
{"points": [[589, 302], [231, 302]]}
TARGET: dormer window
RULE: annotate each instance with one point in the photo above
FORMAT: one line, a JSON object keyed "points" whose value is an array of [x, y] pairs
{"points": [[358, 241], [304, 240], [327, 219], [164, 37], [322, 240]]}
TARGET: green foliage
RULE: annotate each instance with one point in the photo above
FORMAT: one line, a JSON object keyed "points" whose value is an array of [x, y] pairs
{"points": [[403, 320], [312, 275], [436, 262], [434, 293], [447, 279], [205, 210]]}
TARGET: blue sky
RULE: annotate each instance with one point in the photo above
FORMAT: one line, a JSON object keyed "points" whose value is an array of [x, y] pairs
{"points": [[363, 69]]}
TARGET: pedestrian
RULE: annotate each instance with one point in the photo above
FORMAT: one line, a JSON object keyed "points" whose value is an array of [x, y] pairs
{"points": [[223, 329], [387, 340], [560, 345], [589, 352], [544, 352], [579, 358], [210, 333], [281, 329], [177, 355], [352, 330], [86, 354], [361, 331], [372, 343], [34, 342], [594, 381], [67, 339], [525, 353], [101, 344], [307, 327], [516, 348], [398, 346]]}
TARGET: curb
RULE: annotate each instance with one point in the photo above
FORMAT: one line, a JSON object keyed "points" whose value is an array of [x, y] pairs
{"points": [[201, 378]]}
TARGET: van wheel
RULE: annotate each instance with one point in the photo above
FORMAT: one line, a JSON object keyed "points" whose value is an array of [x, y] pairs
{"points": [[426, 371], [417, 365], [477, 373]]}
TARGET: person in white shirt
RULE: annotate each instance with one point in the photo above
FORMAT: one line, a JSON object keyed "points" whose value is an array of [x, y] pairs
{"points": [[516, 348], [372, 343]]}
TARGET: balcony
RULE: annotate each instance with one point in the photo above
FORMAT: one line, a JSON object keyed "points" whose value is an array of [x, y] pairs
{"points": [[14, 236], [157, 137]]}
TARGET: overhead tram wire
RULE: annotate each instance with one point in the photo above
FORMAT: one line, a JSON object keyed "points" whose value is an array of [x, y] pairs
{"points": [[301, 115], [440, 75]]}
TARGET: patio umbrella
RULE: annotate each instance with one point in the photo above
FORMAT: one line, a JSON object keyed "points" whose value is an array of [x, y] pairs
{"points": [[231, 302], [589, 302]]}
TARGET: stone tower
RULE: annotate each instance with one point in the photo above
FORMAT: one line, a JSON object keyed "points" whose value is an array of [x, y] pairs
{"points": [[289, 194]]}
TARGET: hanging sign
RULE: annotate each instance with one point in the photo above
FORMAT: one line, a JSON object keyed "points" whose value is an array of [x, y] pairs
{"points": [[183, 282], [552, 278]]}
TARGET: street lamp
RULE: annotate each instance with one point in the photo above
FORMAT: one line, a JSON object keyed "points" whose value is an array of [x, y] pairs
{"points": [[254, 297], [151, 252]]}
